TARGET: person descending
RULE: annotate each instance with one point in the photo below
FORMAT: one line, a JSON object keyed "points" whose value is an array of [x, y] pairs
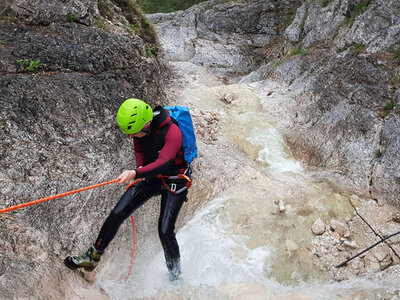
{"points": [[158, 150]]}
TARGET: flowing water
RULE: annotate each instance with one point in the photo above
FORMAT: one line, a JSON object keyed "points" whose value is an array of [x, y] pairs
{"points": [[252, 241]]}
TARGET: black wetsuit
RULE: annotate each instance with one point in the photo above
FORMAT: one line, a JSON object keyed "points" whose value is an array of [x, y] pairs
{"points": [[158, 153]]}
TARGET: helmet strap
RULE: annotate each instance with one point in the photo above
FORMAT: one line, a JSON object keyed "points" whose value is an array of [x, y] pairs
{"points": [[147, 128]]}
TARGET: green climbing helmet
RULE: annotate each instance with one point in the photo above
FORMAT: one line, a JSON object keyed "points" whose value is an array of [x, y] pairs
{"points": [[133, 115]]}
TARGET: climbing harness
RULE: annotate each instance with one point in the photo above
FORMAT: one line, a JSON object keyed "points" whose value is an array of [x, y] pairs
{"points": [[173, 185]]}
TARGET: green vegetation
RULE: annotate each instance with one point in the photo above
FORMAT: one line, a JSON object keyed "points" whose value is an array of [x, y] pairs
{"points": [[131, 28], [359, 48], [153, 6], [389, 106], [394, 82], [378, 153], [27, 64], [383, 112], [150, 52], [303, 21], [100, 23], [325, 3], [349, 21], [288, 17], [397, 52], [71, 17], [4, 18], [356, 48], [358, 9], [103, 6], [137, 23], [296, 51], [235, 1]]}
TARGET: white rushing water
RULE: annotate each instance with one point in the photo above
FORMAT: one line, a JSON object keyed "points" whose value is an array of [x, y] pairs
{"points": [[237, 246]]}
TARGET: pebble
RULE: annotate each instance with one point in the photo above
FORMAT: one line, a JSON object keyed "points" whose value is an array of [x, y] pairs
{"points": [[291, 245], [351, 244], [281, 205], [340, 229], [227, 98], [396, 218], [318, 227]]}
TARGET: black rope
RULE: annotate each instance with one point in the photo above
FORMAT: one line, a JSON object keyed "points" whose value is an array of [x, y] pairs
{"points": [[377, 234], [365, 250]]}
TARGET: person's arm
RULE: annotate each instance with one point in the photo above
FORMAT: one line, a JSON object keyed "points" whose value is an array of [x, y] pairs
{"points": [[166, 157], [139, 155], [127, 175]]}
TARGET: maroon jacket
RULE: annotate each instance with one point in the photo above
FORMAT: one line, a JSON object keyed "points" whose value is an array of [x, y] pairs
{"points": [[160, 152]]}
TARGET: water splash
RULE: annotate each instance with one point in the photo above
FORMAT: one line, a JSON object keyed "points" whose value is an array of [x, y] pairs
{"points": [[239, 246]]}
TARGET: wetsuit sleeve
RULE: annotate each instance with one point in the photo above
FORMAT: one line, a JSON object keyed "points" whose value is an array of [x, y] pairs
{"points": [[139, 155], [166, 157]]}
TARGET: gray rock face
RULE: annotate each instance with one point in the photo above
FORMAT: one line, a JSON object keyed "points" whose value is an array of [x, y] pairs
{"points": [[44, 12], [321, 23], [221, 36], [378, 27], [293, 31], [341, 120], [58, 132], [335, 120], [385, 178], [333, 69]]}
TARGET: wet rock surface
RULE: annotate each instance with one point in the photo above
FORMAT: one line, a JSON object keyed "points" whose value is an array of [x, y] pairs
{"points": [[61, 83], [327, 74], [332, 89]]}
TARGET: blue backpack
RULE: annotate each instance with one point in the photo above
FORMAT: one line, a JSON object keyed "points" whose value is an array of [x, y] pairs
{"points": [[182, 116]]}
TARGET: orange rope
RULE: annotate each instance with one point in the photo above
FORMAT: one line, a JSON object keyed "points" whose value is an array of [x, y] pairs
{"points": [[134, 236], [15, 207], [11, 208], [132, 183], [133, 249]]}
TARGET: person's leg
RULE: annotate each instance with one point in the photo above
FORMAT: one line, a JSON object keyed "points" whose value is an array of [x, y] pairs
{"points": [[132, 199], [170, 207], [128, 203]]}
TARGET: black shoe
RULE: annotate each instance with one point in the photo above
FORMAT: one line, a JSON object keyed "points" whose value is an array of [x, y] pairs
{"points": [[88, 260]]}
